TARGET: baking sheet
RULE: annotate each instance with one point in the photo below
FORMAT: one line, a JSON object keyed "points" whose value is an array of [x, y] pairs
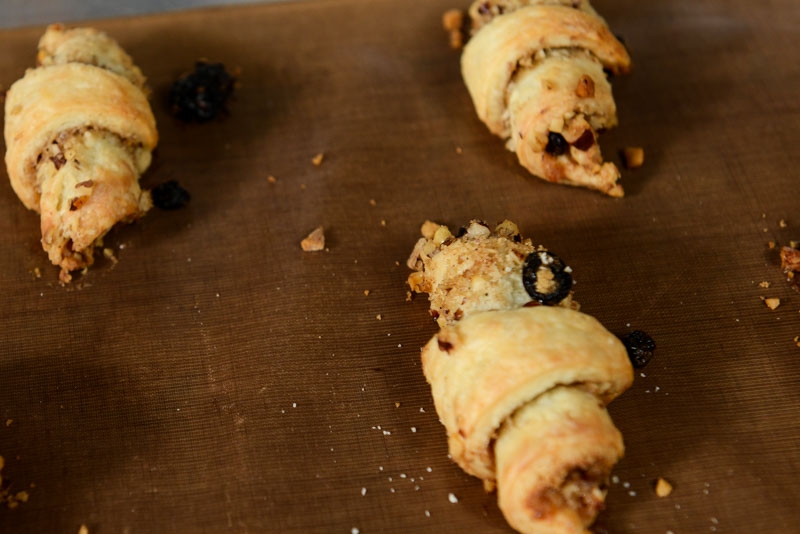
{"points": [[219, 379]]}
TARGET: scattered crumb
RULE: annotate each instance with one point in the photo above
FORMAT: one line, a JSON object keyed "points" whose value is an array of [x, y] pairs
{"points": [[383, 222], [317, 160], [271, 179], [379, 317], [453, 22], [108, 253], [9, 421], [372, 202], [771, 245], [790, 260], [459, 150], [366, 292], [452, 498], [764, 285], [83, 530], [11, 500], [782, 223], [302, 187], [772, 303], [37, 272], [663, 488], [396, 404], [633, 157], [314, 241]]}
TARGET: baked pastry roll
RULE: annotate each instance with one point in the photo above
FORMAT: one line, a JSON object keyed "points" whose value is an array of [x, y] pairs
{"points": [[79, 133], [536, 72], [522, 387]]}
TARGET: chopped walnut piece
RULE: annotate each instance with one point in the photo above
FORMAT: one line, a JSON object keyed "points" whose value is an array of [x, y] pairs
{"points": [[314, 241], [633, 157], [452, 19], [764, 284], [585, 88], [663, 488], [790, 259], [317, 160], [772, 303], [453, 22]]}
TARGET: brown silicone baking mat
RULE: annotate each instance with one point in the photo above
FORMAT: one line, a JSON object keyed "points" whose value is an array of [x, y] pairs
{"points": [[219, 379]]}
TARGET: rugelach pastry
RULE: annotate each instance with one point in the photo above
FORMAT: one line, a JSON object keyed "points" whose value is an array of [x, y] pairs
{"points": [[79, 133], [537, 74], [520, 377]]}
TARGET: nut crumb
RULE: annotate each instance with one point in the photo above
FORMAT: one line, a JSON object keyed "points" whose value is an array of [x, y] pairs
{"points": [[317, 160], [271, 179], [314, 241], [9, 421], [453, 22], [633, 157], [585, 88], [379, 317], [372, 202], [366, 292], [663, 487], [459, 150], [772, 303], [764, 284], [782, 223]]}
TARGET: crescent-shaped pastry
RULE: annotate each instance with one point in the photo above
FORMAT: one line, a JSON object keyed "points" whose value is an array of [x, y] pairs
{"points": [[79, 133], [520, 385], [536, 72]]}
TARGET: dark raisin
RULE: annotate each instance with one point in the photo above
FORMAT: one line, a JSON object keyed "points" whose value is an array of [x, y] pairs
{"points": [[170, 196], [556, 144], [444, 346], [562, 279], [58, 160], [640, 348], [202, 95], [484, 8], [585, 141]]}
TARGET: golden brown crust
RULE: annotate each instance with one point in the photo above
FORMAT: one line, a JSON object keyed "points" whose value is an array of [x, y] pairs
{"points": [[482, 12], [60, 45], [554, 457], [536, 69], [488, 365], [79, 132], [520, 389]]}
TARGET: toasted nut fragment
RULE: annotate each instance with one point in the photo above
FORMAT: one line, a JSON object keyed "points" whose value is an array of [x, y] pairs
{"points": [[772, 303], [790, 259], [452, 19], [633, 157], [317, 160], [663, 488], [453, 22], [585, 88], [314, 241]]}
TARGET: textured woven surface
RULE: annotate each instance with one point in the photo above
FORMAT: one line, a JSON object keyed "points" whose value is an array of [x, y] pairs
{"points": [[220, 379]]}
